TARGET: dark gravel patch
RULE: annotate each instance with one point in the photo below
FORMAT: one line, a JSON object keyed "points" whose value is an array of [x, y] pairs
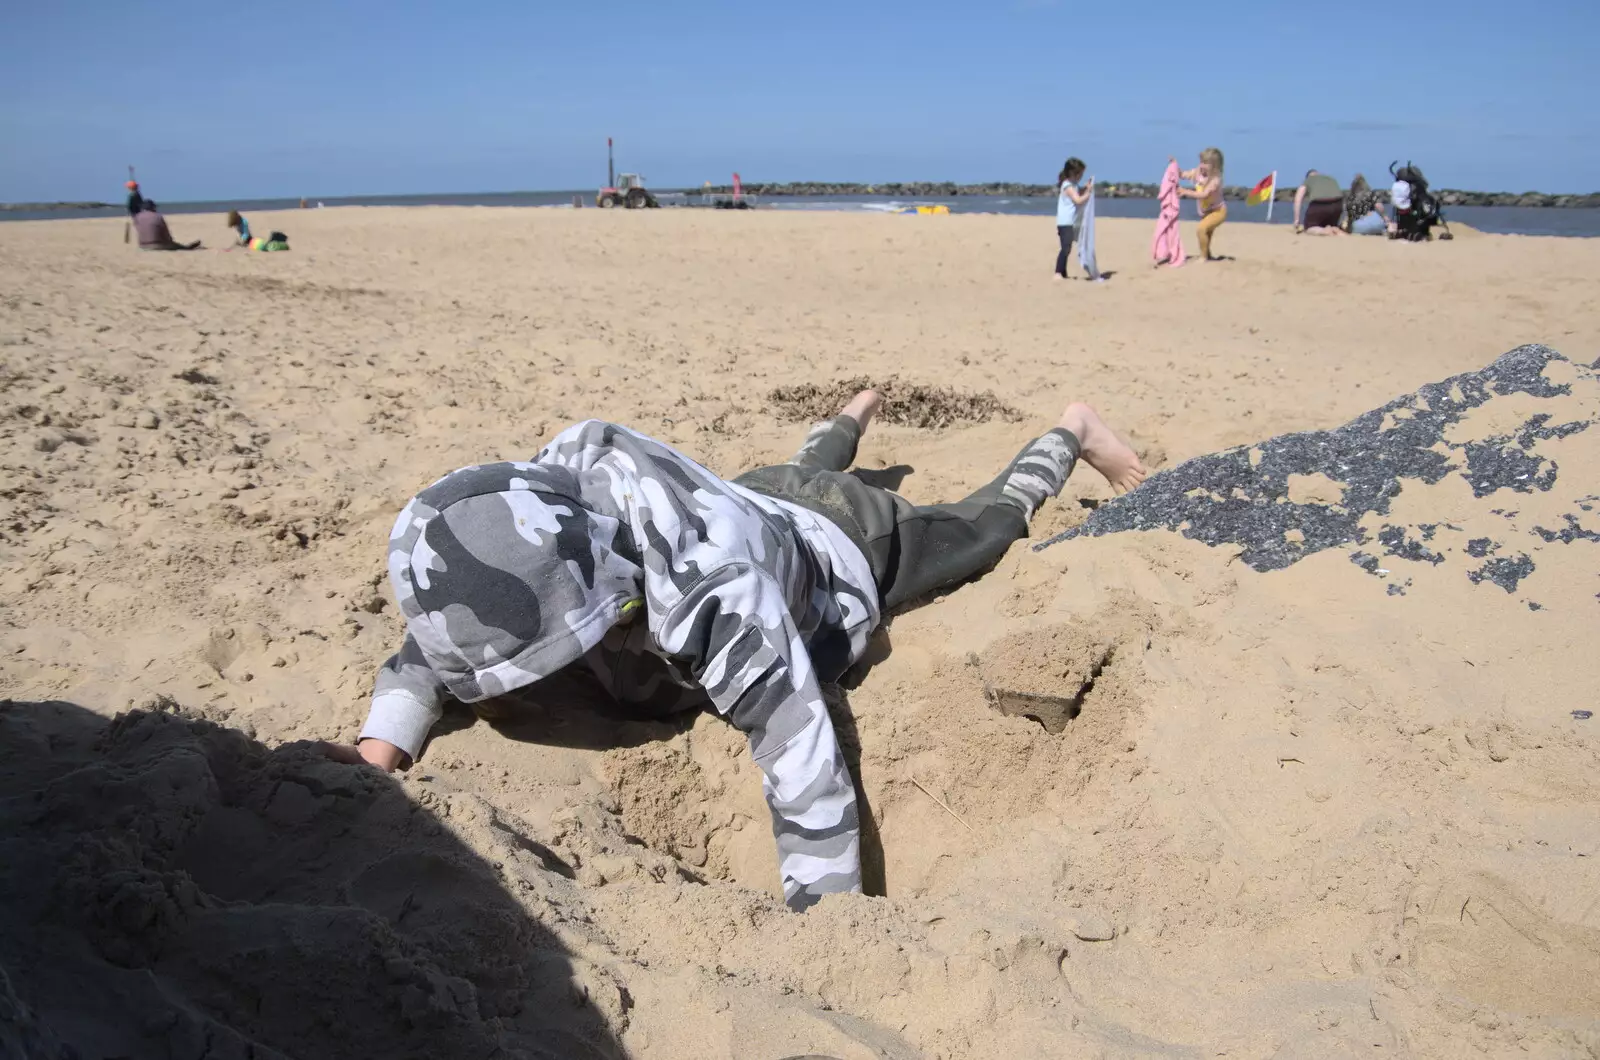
{"points": [[1227, 499]]}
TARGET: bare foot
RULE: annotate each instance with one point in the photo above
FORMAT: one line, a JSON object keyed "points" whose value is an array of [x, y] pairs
{"points": [[863, 407], [1102, 449]]}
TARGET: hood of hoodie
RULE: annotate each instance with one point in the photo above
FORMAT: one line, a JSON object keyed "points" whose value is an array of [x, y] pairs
{"points": [[508, 572]]}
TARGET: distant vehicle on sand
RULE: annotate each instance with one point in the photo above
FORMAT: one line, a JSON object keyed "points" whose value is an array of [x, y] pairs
{"points": [[628, 192]]}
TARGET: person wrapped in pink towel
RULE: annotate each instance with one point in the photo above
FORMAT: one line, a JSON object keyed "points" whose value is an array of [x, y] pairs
{"points": [[1167, 247]]}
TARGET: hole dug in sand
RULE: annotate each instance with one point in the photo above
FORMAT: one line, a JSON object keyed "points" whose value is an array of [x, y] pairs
{"points": [[1041, 723], [696, 798], [1045, 674], [934, 729]]}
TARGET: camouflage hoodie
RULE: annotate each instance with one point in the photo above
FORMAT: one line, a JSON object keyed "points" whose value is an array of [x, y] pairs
{"points": [[619, 554]]}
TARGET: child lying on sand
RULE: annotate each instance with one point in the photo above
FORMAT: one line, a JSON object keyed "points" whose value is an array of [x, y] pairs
{"points": [[675, 589]]}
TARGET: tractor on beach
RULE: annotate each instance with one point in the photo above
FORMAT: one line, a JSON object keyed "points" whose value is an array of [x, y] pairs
{"points": [[628, 191]]}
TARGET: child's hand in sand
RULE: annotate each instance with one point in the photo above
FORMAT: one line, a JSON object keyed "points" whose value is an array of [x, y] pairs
{"points": [[386, 756]]}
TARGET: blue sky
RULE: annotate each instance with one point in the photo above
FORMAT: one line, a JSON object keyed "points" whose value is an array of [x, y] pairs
{"points": [[216, 100]]}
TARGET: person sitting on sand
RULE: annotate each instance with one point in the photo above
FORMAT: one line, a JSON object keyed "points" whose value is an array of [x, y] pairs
{"points": [[1068, 198], [1363, 213], [153, 232], [1326, 204], [241, 230], [135, 198], [616, 556], [1207, 178]]}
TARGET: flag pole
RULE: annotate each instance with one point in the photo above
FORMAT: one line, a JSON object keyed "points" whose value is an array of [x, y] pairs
{"points": [[1272, 195]]}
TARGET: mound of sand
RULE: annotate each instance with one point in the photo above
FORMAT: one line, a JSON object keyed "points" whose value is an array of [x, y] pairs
{"points": [[173, 888], [1212, 788]]}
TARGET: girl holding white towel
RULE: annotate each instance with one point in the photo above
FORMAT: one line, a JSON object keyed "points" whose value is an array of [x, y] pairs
{"points": [[1068, 198]]}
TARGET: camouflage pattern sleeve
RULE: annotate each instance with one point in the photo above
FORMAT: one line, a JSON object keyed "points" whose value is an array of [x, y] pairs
{"points": [[406, 700], [734, 630]]}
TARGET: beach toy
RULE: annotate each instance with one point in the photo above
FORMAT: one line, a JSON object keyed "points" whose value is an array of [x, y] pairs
{"points": [[923, 211]]}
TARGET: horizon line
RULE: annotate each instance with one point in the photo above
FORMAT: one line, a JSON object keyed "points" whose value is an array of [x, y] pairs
{"points": [[691, 189]]}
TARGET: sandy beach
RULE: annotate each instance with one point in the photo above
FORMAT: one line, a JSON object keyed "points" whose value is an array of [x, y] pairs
{"points": [[1298, 815]]}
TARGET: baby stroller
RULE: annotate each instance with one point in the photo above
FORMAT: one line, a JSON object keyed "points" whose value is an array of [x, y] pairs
{"points": [[1416, 224]]}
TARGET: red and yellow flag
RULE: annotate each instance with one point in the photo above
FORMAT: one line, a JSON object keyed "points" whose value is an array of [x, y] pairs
{"points": [[1263, 191]]}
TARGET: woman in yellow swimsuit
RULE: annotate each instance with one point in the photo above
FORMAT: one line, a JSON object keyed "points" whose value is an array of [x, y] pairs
{"points": [[1207, 177]]}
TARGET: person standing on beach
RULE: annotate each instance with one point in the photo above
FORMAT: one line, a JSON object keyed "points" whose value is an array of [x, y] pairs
{"points": [[1207, 177], [617, 560], [1068, 198], [135, 204]]}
